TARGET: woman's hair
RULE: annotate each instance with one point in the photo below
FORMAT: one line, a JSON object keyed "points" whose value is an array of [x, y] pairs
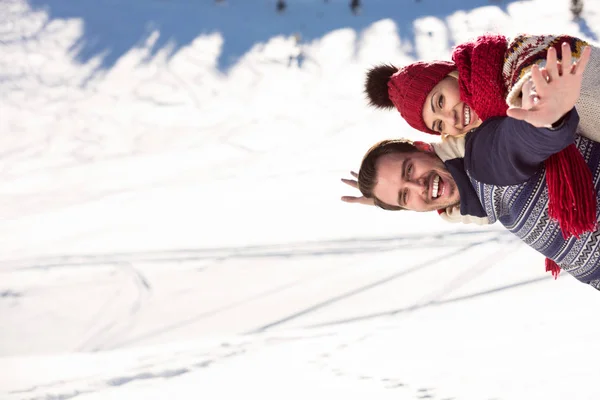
{"points": [[453, 74]]}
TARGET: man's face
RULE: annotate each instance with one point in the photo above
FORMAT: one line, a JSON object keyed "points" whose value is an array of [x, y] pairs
{"points": [[417, 181], [444, 112]]}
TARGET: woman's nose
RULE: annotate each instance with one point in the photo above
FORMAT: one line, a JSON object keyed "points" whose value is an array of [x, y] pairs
{"points": [[450, 117]]}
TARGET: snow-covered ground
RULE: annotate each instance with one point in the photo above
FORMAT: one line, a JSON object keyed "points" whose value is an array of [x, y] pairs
{"points": [[170, 222]]}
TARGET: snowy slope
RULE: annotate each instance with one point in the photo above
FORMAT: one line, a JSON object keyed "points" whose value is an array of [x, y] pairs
{"points": [[170, 222]]}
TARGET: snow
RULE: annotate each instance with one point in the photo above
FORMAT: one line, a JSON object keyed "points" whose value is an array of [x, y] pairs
{"points": [[170, 222]]}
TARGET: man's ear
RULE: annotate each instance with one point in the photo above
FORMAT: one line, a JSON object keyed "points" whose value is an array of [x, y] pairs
{"points": [[423, 146]]}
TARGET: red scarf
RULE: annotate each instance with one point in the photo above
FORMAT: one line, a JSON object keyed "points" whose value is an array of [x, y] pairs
{"points": [[571, 193]]}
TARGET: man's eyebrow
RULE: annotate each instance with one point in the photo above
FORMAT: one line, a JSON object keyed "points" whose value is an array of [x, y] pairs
{"points": [[404, 162]]}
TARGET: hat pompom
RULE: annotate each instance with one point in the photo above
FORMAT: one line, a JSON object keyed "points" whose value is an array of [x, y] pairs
{"points": [[376, 85]]}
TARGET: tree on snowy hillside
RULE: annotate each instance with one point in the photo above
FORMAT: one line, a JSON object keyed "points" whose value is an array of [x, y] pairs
{"points": [[281, 6], [576, 8]]}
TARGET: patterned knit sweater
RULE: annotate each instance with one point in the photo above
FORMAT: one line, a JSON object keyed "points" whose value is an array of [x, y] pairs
{"points": [[503, 170], [523, 210]]}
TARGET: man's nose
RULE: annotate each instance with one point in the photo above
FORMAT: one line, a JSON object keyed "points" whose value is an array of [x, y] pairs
{"points": [[418, 186]]}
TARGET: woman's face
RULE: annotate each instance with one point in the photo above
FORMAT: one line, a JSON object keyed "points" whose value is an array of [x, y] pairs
{"points": [[445, 113]]}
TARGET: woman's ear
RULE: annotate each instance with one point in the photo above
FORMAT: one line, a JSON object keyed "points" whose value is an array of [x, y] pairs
{"points": [[423, 146]]}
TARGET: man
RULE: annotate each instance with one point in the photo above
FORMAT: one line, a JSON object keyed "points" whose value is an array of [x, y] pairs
{"points": [[497, 171]]}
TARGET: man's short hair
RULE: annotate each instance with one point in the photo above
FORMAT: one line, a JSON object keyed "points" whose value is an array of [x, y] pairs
{"points": [[367, 175]]}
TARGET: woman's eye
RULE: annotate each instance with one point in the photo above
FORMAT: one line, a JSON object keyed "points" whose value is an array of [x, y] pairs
{"points": [[409, 170], [441, 101]]}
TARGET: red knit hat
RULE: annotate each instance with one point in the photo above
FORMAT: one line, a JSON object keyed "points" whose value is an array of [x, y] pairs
{"points": [[409, 87]]}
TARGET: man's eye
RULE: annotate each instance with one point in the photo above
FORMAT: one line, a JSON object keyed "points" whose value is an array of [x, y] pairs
{"points": [[404, 197], [409, 170]]}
